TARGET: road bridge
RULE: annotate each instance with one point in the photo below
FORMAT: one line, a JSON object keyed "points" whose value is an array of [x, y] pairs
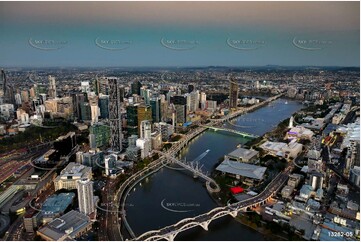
{"points": [[123, 190], [203, 220]]}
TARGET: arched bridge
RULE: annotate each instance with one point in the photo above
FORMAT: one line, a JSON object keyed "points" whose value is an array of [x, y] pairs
{"points": [[203, 220], [195, 171], [244, 134]]}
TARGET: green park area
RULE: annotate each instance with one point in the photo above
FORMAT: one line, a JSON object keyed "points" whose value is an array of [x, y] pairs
{"points": [[34, 135]]}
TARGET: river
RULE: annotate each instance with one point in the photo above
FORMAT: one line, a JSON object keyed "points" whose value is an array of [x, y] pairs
{"points": [[171, 194]]}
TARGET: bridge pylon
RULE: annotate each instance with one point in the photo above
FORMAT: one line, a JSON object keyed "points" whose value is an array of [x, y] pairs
{"points": [[170, 237], [204, 225], [234, 213]]}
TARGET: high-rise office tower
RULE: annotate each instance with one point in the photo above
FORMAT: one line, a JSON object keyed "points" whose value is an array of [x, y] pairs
{"points": [[133, 152], [132, 119], [135, 87], [233, 93], [85, 111], [180, 114], [103, 103], [32, 92], [115, 114], [194, 101], [145, 129], [24, 95], [144, 113], [95, 112], [180, 105], [18, 100], [203, 100], [8, 90], [78, 101], [102, 86], [85, 196], [164, 110], [52, 87], [156, 110], [122, 93], [101, 134], [3, 81], [146, 95]]}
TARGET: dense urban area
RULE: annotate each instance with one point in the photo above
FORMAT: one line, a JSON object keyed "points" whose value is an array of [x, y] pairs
{"points": [[84, 150]]}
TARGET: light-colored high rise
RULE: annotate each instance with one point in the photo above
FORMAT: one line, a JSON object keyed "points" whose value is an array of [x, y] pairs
{"points": [[203, 100], [85, 196], [95, 113], [145, 129], [52, 87]]}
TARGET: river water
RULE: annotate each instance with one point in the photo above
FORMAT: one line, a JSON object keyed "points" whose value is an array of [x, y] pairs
{"points": [[172, 194]]}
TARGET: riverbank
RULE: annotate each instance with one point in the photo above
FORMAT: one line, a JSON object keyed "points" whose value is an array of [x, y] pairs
{"points": [[180, 188], [243, 220], [276, 133]]}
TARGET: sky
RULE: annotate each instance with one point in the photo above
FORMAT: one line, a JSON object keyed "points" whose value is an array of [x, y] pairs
{"points": [[177, 34]]}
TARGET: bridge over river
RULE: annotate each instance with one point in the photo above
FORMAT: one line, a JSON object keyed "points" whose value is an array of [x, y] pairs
{"points": [[203, 220], [244, 134]]}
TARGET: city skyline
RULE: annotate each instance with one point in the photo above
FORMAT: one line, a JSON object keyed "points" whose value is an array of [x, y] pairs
{"points": [[179, 34], [187, 121]]}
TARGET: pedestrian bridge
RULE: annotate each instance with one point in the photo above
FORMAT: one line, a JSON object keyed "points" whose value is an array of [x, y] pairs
{"points": [[211, 185], [244, 134], [203, 220]]}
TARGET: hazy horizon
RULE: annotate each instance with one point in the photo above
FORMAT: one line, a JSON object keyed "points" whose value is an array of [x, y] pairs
{"points": [[179, 34]]}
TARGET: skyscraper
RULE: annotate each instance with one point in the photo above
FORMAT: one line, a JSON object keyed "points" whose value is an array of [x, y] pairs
{"points": [[194, 101], [85, 111], [144, 113], [104, 106], [132, 119], [180, 111], [52, 87], [3, 81], [145, 129], [85, 196], [115, 114], [156, 113], [101, 134], [102, 86], [8, 90], [180, 105], [233, 93], [203, 100], [135, 86], [95, 112]]}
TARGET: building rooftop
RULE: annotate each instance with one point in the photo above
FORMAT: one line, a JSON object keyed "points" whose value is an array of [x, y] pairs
{"points": [[276, 146], [313, 154], [57, 203], [67, 225], [243, 153], [306, 189], [73, 171], [242, 169]]}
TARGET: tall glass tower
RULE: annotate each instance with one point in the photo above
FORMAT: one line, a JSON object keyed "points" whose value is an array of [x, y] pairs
{"points": [[115, 114]]}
